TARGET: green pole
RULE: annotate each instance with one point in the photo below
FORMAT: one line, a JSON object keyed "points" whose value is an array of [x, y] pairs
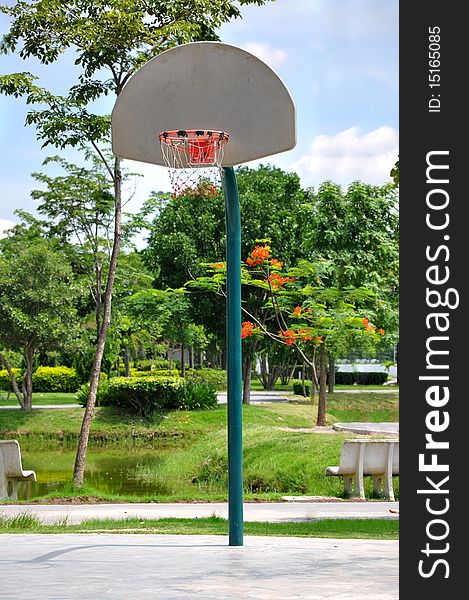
{"points": [[233, 334]]}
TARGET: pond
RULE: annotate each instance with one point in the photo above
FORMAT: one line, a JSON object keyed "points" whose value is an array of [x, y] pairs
{"points": [[112, 470]]}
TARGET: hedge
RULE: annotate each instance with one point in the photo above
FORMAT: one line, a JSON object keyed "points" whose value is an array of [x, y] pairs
{"points": [[145, 395], [155, 373], [360, 378], [298, 387], [5, 382], [213, 377], [55, 379]]}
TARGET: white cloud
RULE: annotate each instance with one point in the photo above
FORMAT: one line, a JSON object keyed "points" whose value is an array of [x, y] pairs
{"points": [[273, 57], [349, 156], [4, 225]]}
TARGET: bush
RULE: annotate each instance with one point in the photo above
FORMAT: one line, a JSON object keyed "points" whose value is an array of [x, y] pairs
{"points": [[55, 379], [155, 373], [145, 395], [373, 378], [5, 382], [216, 378], [84, 391], [199, 395], [344, 378], [298, 387], [351, 378]]}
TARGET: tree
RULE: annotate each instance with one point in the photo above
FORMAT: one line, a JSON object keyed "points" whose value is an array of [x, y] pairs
{"points": [[358, 232], [189, 231], [37, 294], [111, 39], [299, 311]]}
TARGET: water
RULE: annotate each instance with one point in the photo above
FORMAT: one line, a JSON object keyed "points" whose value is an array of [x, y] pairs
{"points": [[112, 470]]}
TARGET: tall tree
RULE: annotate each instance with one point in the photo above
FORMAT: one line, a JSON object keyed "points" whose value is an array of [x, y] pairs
{"points": [[38, 291], [110, 40]]}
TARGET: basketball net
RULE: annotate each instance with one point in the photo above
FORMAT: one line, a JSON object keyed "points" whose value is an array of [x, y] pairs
{"points": [[194, 159]]}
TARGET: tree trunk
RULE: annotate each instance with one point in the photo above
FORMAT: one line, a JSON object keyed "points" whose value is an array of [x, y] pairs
{"points": [[321, 420], [264, 371], [14, 383], [191, 357], [80, 460], [247, 370], [28, 377], [126, 362], [331, 373], [183, 360], [199, 358], [303, 387]]}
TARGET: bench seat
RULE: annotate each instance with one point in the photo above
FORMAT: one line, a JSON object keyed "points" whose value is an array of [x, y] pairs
{"points": [[11, 469], [378, 459]]}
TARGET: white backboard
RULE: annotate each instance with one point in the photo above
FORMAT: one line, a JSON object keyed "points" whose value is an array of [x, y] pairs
{"points": [[207, 86]]}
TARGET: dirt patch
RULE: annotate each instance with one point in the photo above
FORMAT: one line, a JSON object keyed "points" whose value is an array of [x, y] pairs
{"points": [[316, 429]]}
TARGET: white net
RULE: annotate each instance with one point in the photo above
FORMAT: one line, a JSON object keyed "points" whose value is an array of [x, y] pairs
{"points": [[194, 160]]}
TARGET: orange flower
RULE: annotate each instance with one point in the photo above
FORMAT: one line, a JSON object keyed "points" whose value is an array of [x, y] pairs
{"points": [[246, 329], [276, 263], [381, 331], [297, 311]]}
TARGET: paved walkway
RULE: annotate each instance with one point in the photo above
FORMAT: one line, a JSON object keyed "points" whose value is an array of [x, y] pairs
{"points": [[277, 512], [167, 567]]}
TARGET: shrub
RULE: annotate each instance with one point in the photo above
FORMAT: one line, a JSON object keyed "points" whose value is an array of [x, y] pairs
{"points": [[198, 395], [216, 378], [155, 373], [344, 378], [5, 382], [83, 392], [298, 387], [373, 378], [55, 379], [350, 378], [145, 395]]}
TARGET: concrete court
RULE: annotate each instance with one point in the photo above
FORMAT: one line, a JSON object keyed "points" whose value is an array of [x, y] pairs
{"points": [[167, 567], [253, 511]]}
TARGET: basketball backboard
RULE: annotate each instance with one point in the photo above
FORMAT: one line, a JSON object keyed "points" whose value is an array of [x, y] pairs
{"points": [[206, 86]]}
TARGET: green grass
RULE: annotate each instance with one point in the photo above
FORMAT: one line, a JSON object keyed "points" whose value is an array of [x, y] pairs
{"points": [[383, 529], [183, 455], [41, 398], [257, 386]]}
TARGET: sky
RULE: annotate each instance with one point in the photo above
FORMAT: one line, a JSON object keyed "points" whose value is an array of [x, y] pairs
{"points": [[338, 58]]}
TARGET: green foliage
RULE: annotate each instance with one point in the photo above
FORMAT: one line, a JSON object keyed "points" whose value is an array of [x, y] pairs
{"points": [[55, 379], [101, 395], [359, 378], [298, 387], [216, 378], [145, 395], [37, 295], [154, 373], [5, 381], [345, 378], [198, 396]]}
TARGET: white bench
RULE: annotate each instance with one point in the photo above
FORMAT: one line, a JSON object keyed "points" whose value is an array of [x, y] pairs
{"points": [[11, 470], [376, 458]]}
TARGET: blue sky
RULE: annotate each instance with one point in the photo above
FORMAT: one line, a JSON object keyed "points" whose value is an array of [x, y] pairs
{"points": [[339, 58]]}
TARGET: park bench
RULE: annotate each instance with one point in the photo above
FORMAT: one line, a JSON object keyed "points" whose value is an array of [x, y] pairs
{"points": [[376, 458], [11, 470]]}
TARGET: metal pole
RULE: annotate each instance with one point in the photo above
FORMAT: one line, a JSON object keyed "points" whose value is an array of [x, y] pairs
{"points": [[233, 334]]}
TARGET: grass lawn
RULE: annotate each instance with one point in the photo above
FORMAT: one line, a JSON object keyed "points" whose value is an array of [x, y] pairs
{"points": [[40, 398], [256, 385], [183, 455], [383, 529]]}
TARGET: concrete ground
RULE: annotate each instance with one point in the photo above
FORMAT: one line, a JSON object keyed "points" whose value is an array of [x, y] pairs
{"points": [[277, 512], [167, 567]]}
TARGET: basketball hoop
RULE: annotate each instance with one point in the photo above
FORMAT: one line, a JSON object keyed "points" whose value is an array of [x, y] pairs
{"points": [[193, 158]]}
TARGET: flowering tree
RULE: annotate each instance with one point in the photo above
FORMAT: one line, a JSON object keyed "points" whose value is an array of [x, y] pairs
{"points": [[299, 312]]}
